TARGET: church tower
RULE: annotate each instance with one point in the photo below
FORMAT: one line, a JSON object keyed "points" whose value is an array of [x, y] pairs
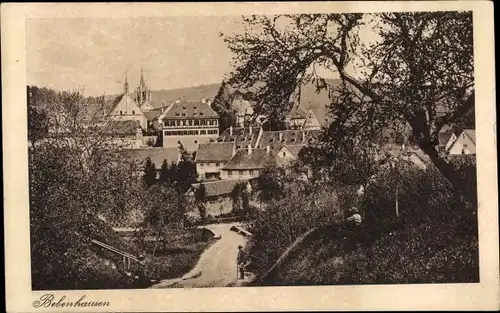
{"points": [[142, 93]]}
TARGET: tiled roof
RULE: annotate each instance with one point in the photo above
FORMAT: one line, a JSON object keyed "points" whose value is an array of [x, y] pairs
{"points": [[288, 137], [471, 133], [241, 136], [158, 104], [151, 115], [186, 109], [157, 155], [122, 127], [243, 161], [443, 138], [219, 187], [214, 152]]}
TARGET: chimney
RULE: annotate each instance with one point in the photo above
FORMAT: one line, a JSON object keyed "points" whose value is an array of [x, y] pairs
{"points": [[234, 149], [268, 149], [249, 149], [203, 100], [250, 129], [281, 136], [230, 130], [303, 136], [209, 102], [178, 100]]}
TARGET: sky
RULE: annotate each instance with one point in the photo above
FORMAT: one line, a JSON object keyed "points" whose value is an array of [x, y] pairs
{"points": [[94, 54]]}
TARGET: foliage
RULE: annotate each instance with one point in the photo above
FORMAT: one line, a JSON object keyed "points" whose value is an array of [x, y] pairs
{"points": [[270, 182], [200, 197], [433, 241], [150, 173], [223, 106], [185, 174], [301, 207], [240, 195], [402, 86], [68, 196]]}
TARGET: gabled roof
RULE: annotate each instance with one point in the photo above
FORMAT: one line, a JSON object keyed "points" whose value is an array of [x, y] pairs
{"points": [[471, 133], [241, 136], [214, 152], [443, 138], [122, 127], [157, 155], [244, 161], [219, 187], [242, 107], [190, 110], [294, 149], [151, 115], [288, 137]]}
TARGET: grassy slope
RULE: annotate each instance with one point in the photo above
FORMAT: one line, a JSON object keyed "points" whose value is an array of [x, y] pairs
{"points": [[417, 254]]}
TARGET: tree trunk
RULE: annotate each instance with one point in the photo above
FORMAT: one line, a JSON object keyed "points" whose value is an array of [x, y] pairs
{"points": [[447, 170]]}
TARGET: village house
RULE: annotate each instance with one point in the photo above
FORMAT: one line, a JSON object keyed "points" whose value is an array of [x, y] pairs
{"points": [[276, 139], [247, 163], [288, 154], [465, 143], [127, 134], [189, 124], [212, 157]]}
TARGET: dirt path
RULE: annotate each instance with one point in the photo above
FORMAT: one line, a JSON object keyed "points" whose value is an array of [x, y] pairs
{"points": [[216, 266]]}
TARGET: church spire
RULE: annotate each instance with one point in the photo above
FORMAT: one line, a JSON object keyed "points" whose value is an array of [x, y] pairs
{"points": [[126, 84], [142, 83]]}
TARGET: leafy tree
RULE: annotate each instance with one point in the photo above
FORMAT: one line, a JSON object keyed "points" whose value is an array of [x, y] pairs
{"points": [[271, 182], [223, 106], [416, 71], [186, 171], [165, 208], [200, 197], [165, 173], [149, 173], [241, 197]]}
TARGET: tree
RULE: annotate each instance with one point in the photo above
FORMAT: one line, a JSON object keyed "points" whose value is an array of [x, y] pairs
{"points": [[165, 173], [241, 198], [165, 207], [417, 73], [186, 171], [270, 182], [200, 197], [223, 106], [149, 173]]}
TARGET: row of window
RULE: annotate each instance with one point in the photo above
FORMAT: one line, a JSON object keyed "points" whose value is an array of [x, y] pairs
{"points": [[213, 122], [241, 173], [208, 164], [191, 132], [133, 112]]}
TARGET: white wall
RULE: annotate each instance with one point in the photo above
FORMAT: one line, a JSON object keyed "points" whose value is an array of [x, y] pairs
{"points": [[243, 174], [465, 143], [202, 168]]}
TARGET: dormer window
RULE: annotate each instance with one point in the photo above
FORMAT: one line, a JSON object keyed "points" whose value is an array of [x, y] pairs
{"points": [[183, 114], [201, 113], [176, 114], [195, 108], [194, 114], [184, 107], [121, 112], [133, 112]]}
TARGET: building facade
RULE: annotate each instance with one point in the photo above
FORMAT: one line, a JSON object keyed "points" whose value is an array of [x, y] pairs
{"points": [[189, 124]]}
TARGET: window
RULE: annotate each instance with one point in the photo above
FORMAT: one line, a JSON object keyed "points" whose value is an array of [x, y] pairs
{"points": [[203, 132], [183, 114], [202, 165], [133, 112], [284, 154], [241, 172], [121, 112], [250, 172], [229, 173], [201, 113], [465, 146], [178, 142], [176, 114], [196, 122], [195, 108], [196, 141]]}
